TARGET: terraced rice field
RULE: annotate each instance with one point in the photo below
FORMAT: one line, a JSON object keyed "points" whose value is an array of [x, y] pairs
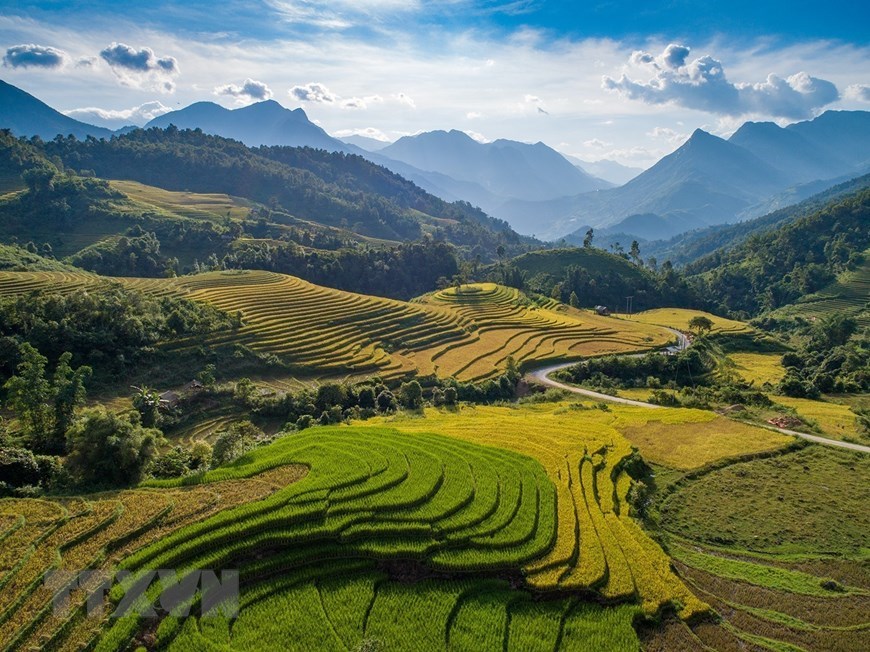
{"points": [[468, 334], [506, 324], [778, 548], [758, 368], [849, 294], [678, 318], [187, 204], [413, 503], [94, 533], [583, 451], [833, 419]]}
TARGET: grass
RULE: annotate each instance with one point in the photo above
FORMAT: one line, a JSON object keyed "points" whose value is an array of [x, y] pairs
{"points": [[810, 501], [758, 368], [678, 318]]}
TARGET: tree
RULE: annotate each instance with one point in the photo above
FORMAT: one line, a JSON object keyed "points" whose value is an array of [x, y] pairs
{"points": [[450, 396], [29, 396], [386, 401], [108, 449], [207, 375], [634, 252], [574, 300], [411, 395], [500, 252], [700, 324], [69, 393], [587, 240], [234, 442], [366, 397], [146, 402]]}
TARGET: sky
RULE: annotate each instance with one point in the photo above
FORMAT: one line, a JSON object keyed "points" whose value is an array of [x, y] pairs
{"points": [[626, 81]]}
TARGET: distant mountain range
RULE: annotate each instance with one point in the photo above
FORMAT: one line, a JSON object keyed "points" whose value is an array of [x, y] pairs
{"points": [[707, 181]]}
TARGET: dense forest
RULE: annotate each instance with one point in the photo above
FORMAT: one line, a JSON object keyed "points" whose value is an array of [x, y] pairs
{"points": [[777, 267]]}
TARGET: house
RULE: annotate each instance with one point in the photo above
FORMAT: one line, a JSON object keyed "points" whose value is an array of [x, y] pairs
{"points": [[170, 399], [602, 310]]}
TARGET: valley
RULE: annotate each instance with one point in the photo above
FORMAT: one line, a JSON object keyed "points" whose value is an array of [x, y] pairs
{"points": [[264, 388]]}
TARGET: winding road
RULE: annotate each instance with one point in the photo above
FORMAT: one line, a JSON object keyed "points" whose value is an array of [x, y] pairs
{"points": [[542, 375]]}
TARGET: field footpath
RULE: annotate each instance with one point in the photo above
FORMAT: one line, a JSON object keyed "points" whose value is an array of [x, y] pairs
{"points": [[542, 376]]}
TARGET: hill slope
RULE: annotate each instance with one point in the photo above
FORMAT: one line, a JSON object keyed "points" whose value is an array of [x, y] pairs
{"points": [[27, 116], [778, 267], [319, 331]]}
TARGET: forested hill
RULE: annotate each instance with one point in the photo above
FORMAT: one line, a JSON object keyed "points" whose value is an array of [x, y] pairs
{"points": [[330, 188], [778, 267]]}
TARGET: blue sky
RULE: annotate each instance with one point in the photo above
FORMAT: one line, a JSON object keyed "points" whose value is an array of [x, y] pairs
{"points": [[627, 81]]}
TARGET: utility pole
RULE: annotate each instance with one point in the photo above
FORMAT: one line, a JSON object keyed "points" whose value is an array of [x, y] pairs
{"points": [[628, 306]]}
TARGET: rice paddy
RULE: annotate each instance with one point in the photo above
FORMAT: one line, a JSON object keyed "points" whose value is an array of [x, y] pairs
{"points": [[467, 333], [678, 318], [758, 368]]}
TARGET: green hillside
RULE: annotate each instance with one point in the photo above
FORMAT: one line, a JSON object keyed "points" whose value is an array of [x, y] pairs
{"points": [[849, 295], [554, 262]]}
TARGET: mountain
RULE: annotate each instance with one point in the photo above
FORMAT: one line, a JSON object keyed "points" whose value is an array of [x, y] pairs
{"points": [[27, 116], [706, 181], [834, 144], [709, 181], [505, 168], [777, 267], [611, 171], [688, 247], [364, 142], [261, 123]]}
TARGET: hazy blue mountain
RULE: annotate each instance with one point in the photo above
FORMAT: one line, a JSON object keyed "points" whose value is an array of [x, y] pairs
{"points": [[706, 181], [25, 115], [844, 134], [364, 142], [611, 171], [505, 168], [688, 247], [261, 123]]}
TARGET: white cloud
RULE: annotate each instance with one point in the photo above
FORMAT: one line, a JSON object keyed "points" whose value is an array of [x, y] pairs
{"points": [[701, 84], [30, 55], [367, 132], [141, 68], [249, 90], [668, 135], [860, 92], [317, 93], [473, 115], [114, 119], [595, 143], [404, 99], [313, 92], [479, 137]]}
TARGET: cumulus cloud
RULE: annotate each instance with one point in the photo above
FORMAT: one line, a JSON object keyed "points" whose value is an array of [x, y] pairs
{"points": [[30, 55], [141, 68], [317, 93], [114, 119], [702, 84], [860, 92], [313, 92], [596, 143], [250, 89]]}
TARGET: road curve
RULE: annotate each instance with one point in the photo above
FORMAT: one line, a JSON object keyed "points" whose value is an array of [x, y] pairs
{"points": [[542, 376]]}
